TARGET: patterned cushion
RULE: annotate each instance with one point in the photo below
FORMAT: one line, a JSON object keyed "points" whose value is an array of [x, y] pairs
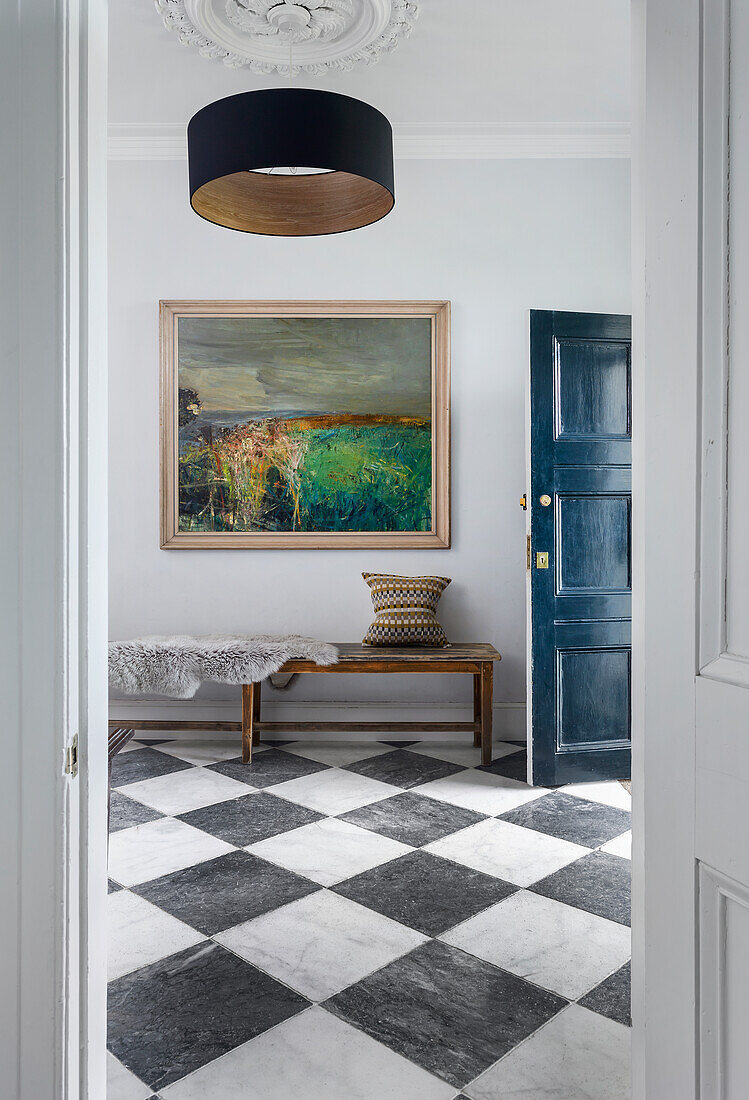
{"points": [[405, 610]]}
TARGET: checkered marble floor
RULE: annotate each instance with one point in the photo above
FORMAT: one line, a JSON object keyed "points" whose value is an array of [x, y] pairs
{"points": [[369, 921]]}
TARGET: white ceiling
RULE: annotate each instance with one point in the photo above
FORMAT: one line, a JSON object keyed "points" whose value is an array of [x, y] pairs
{"points": [[481, 63]]}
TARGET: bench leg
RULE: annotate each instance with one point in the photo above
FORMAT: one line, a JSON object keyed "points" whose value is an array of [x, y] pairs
{"points": [[256, 712], [248, 719], [476, 710], [487, 680]]}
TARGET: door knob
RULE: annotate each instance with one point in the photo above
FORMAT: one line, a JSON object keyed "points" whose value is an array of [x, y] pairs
{"points": [[545, 500]]}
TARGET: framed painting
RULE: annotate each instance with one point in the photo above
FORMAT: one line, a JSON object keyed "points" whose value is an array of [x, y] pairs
{"points": [[292, 424]]}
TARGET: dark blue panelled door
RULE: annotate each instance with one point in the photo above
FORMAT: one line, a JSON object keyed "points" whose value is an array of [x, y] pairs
{"points": [[580, 517]]}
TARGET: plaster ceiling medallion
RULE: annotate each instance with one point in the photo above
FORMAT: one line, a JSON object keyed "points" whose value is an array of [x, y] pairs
{"points": [[258, 34]]}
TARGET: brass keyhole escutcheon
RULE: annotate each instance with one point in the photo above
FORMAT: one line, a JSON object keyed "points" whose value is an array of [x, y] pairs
{"points": [[545, 500], [542, 560]]}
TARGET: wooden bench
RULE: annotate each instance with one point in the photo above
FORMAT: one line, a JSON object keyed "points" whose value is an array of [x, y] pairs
{"points": [[474, 658]]}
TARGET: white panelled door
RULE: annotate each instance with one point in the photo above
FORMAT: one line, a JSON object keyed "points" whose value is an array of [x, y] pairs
{"points": [[691, 771], [722, 689]]}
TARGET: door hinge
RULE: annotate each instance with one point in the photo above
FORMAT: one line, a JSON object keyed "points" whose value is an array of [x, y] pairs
{"points": [[527, 551], [71, 758]]}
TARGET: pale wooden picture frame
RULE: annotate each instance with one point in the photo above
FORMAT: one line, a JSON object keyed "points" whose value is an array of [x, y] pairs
{"points": [[171, 537]]}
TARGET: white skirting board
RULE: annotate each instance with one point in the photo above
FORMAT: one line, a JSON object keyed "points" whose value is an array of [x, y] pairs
{"points": [[509, 718]]}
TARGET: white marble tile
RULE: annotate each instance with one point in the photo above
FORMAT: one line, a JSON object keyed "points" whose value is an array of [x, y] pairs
{"points": [[179, 792], [510, 852], [131, 745], [313, 1056], [578, 1055], [205, 750], [611, 794], [321, 943], [460, 752], [334, 791], [337, 753], [328, 851], [481, 791], [122, 1084], [548, 943], [140, 933], [159, 847], [620, 846]]}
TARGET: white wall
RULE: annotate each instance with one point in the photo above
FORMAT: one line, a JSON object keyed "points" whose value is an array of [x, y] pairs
{"points": [[496, 238]]}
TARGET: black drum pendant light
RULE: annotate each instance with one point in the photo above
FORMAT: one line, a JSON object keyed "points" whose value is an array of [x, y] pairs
{"points": [[290, 162]]}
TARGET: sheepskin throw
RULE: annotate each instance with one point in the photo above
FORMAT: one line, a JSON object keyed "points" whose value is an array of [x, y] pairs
{"points": [[177, 665]]}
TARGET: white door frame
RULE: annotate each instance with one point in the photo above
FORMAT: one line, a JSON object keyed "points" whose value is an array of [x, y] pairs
{"points": [[53, 561], [53, 96], [666, 188]]}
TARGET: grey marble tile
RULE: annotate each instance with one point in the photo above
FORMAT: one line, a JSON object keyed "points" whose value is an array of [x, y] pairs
{"points": [[112, 886], [400, 744], [425, 892], [512, 766], [145, 763], [403, 768], [613, 997], [243, 821], [598, 883], [268, 768], [447, 1011], [413, 819], [222, 892], [570, 818], [170, 1018], [124, 812]]}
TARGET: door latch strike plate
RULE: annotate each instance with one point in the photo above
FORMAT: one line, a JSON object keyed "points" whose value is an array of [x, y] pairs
{"points": [[542, 560], [71, 758]]}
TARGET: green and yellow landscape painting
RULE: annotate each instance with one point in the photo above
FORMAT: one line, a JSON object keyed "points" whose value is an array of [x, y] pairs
{"points": [[304, 424]]}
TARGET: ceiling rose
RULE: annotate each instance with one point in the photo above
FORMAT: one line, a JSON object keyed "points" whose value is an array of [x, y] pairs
{"points": [[325, 34]]}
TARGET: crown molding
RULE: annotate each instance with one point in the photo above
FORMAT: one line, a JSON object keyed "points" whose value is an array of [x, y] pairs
{"points": [[151, 141]]}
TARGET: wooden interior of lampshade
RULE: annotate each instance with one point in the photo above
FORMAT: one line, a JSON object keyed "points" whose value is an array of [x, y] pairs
{"points": [[292, 206]]}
